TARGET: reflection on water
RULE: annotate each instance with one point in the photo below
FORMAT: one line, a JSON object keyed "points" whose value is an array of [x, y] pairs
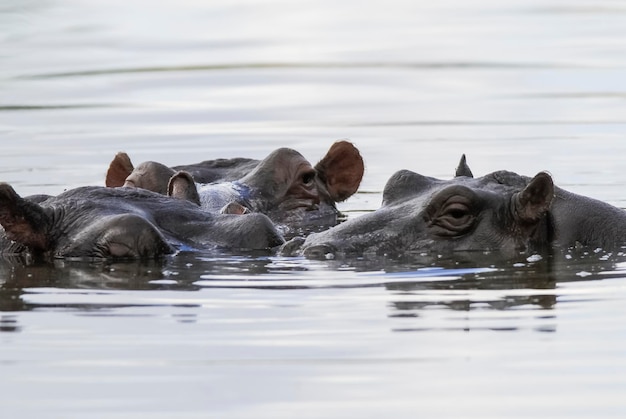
{"points": [[408, 283], [235, 322]]}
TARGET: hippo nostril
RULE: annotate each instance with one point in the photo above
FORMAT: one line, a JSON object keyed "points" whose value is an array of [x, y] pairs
{"points": [[320, 252]]}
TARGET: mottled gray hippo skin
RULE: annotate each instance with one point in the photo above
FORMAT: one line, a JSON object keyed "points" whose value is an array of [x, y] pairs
{"points": [[502, 212], [284, 185], [98, 222]]}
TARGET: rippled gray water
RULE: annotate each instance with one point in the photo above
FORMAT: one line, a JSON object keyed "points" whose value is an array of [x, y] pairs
{"points": [[518, 85]]}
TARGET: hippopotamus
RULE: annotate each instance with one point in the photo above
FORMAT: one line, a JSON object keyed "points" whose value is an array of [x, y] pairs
{"points": [[502, 213], [284, 185], [99, 222]]}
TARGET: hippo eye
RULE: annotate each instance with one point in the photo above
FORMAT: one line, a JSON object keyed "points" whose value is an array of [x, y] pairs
{"points": [[454, 217], [456, 213], [307, 178]]}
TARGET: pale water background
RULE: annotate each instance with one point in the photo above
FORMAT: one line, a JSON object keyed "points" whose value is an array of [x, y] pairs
{"points": [[521, 85]]}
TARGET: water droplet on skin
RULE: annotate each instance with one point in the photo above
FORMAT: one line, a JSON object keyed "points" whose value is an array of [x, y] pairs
{"points": [[534, 258], [169, 273]]}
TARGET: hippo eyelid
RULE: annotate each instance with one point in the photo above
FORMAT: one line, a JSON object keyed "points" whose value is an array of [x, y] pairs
{"points": [[454, 195], [452, 212], [456, 209]]}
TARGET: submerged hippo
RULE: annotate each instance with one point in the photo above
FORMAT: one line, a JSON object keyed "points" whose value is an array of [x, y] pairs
{"points": [[284, 185], [502, 212], [98, 222]]}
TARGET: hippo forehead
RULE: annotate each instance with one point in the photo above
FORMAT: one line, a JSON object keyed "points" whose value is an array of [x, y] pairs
{"points": [[506, 178], [282, 159], [406, 184], [276, 171]]}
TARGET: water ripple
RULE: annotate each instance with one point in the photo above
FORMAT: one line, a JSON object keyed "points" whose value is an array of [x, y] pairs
{"points": [[443, 65]]}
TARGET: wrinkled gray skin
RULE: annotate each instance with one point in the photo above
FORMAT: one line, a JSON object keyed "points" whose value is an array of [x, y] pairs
{"points": [[155, 176], [502, 212], [219, 170], [283, 186], [97, 222]]}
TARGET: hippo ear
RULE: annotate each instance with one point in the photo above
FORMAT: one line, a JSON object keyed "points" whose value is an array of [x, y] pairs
{"points": [[182, 186], [341, 170], [24, 221], [463, 169], [119, 169], [534, 200]]}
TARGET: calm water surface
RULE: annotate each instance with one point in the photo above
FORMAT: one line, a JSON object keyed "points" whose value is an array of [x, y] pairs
{"points": [[518, 85]]}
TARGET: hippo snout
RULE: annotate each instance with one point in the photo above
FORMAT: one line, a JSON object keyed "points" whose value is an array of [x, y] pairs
{"points": [[320, 252]]}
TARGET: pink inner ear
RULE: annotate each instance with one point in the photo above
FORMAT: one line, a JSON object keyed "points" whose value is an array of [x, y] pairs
{"points": [[341, 170], [119, 169], [182, 186], [23, 221], [22, 232]]}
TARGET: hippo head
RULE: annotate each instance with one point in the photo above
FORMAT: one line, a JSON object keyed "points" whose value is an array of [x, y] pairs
{"points": [[287, 188], [501, 212], [56, 231], [148, 175], [284, 185], [128, 223]]}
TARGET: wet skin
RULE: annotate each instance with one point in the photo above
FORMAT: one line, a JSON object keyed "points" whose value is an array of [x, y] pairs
{"points": [[97, 222], [284, 185], [502, 212]]}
